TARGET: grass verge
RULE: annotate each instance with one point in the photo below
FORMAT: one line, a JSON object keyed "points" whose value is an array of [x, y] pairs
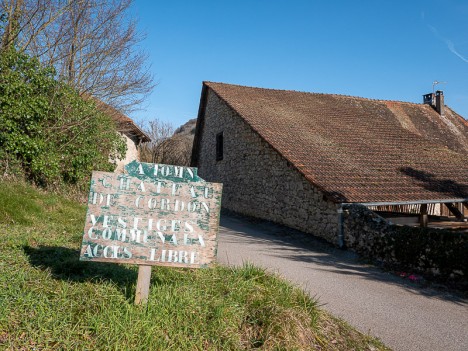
{"points": [[49, 300]]}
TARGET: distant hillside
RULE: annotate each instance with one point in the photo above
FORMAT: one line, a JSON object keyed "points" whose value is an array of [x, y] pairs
{"points": [[187, 129], [181, 143]]}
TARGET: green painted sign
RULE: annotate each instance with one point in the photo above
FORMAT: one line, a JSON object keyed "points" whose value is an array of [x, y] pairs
{"points": [[154, 214]]}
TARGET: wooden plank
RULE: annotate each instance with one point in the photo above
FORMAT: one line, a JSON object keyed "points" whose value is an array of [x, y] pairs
{"points": [[455, 211], [423, 217], [143, 285], [465, 209]]}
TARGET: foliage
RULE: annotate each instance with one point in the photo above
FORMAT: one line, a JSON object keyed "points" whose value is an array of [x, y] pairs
{"points": [[49, 300], [46, 129]]}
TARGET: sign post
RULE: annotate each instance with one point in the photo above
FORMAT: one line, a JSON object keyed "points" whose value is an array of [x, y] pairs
{"points": [[143, 284], [153, 215]]}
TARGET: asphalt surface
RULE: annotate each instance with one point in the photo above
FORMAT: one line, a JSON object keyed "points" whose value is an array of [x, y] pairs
{"points": [[404, 315]]}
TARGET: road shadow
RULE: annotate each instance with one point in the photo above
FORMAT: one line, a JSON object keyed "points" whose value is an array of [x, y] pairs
{"points": [[298, 246], [64, 264]]}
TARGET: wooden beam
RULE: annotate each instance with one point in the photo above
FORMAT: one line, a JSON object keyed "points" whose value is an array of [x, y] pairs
{"points": [[456, 212], [423, 217]]}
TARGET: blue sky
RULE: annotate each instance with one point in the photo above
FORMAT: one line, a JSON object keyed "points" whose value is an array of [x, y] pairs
{"points": [[379, 49]]}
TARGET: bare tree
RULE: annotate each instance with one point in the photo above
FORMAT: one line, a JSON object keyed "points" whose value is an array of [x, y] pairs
{"points": [[168, 146], [93, 44], [180, 147], [157, 150], [27, 20], [10, 12]]}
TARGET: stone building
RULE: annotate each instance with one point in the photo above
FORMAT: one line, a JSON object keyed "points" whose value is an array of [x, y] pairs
{"points": [[297, 158], [127, 128]]}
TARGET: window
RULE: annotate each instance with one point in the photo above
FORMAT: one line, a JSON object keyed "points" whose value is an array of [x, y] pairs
{"points": [[219, 146]]}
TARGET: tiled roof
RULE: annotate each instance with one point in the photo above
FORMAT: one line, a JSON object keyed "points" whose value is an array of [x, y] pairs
{"points": [[356, 149], [124, 123]]}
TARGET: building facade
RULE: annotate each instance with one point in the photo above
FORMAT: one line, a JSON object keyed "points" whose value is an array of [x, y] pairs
{"points": [[297, 158], [257, 180]]}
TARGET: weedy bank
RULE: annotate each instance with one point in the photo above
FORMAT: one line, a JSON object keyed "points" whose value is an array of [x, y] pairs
{"points": [[49, 300]]}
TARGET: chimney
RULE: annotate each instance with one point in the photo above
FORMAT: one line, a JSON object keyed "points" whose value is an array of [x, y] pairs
{"points": [[428, 99], [440, 102], [435, 100]]}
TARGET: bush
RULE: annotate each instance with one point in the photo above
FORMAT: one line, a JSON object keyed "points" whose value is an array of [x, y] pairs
{"points": [[47, 131]]}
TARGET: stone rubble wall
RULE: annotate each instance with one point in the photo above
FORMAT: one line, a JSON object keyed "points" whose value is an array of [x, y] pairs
{"points": [[257, 180], [365, 231], [435, 253]]}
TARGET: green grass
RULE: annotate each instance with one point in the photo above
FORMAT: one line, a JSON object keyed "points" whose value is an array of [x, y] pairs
{"points": [[49, 300]]}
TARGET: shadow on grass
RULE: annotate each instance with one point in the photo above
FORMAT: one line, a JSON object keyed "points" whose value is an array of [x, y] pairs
{"points": [[64, 264]]}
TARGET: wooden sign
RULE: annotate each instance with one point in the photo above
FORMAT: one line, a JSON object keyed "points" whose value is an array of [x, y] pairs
{"points": [[153, 215]]}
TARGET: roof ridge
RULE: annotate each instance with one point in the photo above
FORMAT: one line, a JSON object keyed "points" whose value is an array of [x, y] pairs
{"points": [[210, 83]]}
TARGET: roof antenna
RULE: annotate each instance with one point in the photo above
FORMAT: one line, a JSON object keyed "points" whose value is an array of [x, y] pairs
{"points": [[434, 83]]}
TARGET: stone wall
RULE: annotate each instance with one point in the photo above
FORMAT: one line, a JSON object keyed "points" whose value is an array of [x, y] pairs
{"points": [[436, 253], [258, 181], [131, 154]]}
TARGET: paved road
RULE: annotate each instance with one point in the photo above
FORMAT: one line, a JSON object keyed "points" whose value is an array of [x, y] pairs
{"points": [[404, 316]]}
